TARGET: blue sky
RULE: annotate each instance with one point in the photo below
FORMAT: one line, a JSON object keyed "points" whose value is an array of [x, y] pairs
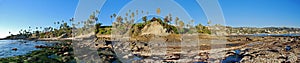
{"points": [[19, 14]]}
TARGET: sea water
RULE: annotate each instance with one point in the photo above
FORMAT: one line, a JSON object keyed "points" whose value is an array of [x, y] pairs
{"points": [[23, 47]]}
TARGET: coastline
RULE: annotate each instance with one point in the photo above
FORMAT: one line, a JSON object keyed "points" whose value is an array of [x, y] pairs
{"points": [[58, 52], [251, 43]]}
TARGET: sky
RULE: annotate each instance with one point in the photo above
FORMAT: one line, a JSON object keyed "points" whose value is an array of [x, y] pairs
{"points": [[20, 14]]}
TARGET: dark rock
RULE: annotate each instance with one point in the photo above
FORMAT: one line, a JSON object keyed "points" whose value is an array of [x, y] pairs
{"points": [[248, 39], [40, 46], [273, 50], [15, 49]]}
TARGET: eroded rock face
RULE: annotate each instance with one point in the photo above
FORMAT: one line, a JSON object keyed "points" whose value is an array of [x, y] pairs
{"points": [[154, 28]]}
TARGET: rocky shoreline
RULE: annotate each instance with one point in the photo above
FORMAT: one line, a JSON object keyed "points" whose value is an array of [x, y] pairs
{"points": [[59, 52], [245, 49], [274, 49]]}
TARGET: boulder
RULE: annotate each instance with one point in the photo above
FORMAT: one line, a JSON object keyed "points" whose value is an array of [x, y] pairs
{"points": [[15, 49]]}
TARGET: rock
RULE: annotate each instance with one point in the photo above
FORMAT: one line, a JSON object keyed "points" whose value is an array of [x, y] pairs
{"points": [[135, 48], [248, 39], [40, 46], [66, 53], [15, 49], [69, 43]]}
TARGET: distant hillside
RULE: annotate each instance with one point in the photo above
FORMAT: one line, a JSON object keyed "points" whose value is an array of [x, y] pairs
{"points": [[155, 26]]}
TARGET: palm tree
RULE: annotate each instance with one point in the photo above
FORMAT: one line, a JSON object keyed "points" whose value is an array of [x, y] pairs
{"points": [[137, 12], [71, 20], [97, 11], [29, 28], [158, 10], [115, 15], [145, 19], [147, 13], [170, 17], [119, 19], [111, 16], [57, 22], [192, 22], [181, 24], [209, 22], [125, 18], [78, 23], [132, 14], [166, 19], [176, 20]]}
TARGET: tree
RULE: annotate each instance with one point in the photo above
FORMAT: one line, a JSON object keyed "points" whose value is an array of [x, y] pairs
{"points": [[209, 22], [147, 13], [64, 26], [181, 24], [190, 23], [166, 19], [145, 19], [111, 16], [158, 10], [170, 17], [93, 17], [132, 15], [137, 12], [126, 19], [176, 20], [20, 32], [97, 26], [181, 27], [115, 15], [29, 28], [119, 19], [71, 20]]}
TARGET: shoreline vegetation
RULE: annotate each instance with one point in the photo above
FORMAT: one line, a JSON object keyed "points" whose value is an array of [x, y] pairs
{"points": [[137, 32]]}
